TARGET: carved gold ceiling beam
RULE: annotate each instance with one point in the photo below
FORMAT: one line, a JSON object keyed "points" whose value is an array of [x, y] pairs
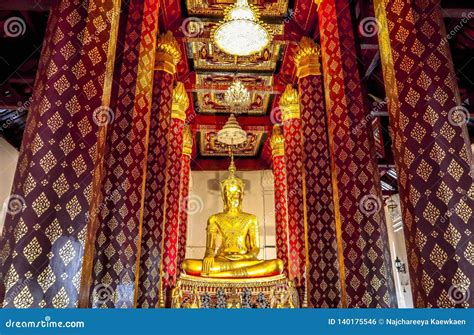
{"points": [[223, 88], [187, 140], [277, 141], [290, 104], [307, 58]]}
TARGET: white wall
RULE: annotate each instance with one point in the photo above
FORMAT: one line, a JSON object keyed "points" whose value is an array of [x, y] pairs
{"points": [[259, 200], [206, 200], [8, 161]]}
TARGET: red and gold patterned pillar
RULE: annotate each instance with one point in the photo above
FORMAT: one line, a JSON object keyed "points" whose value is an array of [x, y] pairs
{"points": [[185, 175], [113, 281], [172, 208], [277, 142], [57, 182], [431, 149], [366, 275], [323, 267], [289, 104], [167, 56]]}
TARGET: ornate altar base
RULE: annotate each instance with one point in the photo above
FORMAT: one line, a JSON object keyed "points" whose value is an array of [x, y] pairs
{"points": [[268, 292]]}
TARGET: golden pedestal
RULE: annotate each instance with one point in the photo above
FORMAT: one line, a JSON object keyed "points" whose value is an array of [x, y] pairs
{"points": [[267, 292]]}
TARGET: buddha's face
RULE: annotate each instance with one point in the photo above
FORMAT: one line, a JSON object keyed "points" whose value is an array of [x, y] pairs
{"points": [[233, 195]]}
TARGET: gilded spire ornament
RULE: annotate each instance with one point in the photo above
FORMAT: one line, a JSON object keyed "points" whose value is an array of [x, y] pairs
{"points": [[168, 53], [290, 104], [232, 133], [180, 102], [277, 141], [187, 141], [232, 180], [307, 58]]}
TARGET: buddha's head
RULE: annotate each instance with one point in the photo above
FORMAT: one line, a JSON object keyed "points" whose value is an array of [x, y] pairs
{"points": [[232, 190]]}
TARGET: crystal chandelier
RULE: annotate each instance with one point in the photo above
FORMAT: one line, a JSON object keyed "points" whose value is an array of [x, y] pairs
{"points": [[241, 33], [231, 134], [237, 97]]}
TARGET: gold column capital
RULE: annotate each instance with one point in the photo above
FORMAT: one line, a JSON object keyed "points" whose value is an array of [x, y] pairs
{"points": [[290, 104], [277, 141], [318, 2], [307, 58], [180, 102], [187, 141], [168, 53]]}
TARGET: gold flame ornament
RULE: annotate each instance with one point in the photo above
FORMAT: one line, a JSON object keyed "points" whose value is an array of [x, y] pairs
{"points": [[290, 104], [168, 53]]}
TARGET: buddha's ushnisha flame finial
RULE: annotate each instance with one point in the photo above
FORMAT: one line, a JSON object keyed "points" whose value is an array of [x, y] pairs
{"points": [[232, 167], [289, 103]]}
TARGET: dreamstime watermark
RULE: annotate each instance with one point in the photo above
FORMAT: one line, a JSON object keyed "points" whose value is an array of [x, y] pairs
{"points": [[370, 204], [192, 27], [458, 116], [369, 26], [466, 18], [14, 26], [193, 204], [15, 204], [459, 294], [103, 115], [102, 293]]}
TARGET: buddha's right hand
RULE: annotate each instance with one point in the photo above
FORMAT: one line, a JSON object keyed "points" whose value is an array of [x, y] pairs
{"points": [[207, 263]]}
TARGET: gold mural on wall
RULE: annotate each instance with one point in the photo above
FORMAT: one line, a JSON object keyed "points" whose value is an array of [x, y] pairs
{"points": [[206, 56]]}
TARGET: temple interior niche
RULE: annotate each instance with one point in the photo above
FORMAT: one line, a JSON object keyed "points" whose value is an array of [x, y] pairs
{"points": [[9, 156]]}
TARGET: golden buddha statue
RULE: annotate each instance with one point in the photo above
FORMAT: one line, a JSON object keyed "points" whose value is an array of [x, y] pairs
{"points": [[238, 233]]}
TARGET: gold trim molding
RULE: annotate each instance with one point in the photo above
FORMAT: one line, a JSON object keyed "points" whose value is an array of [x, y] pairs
{"points": [[307, 58], [187, 141], [168, 53], [180, 102], [290, 104]]}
